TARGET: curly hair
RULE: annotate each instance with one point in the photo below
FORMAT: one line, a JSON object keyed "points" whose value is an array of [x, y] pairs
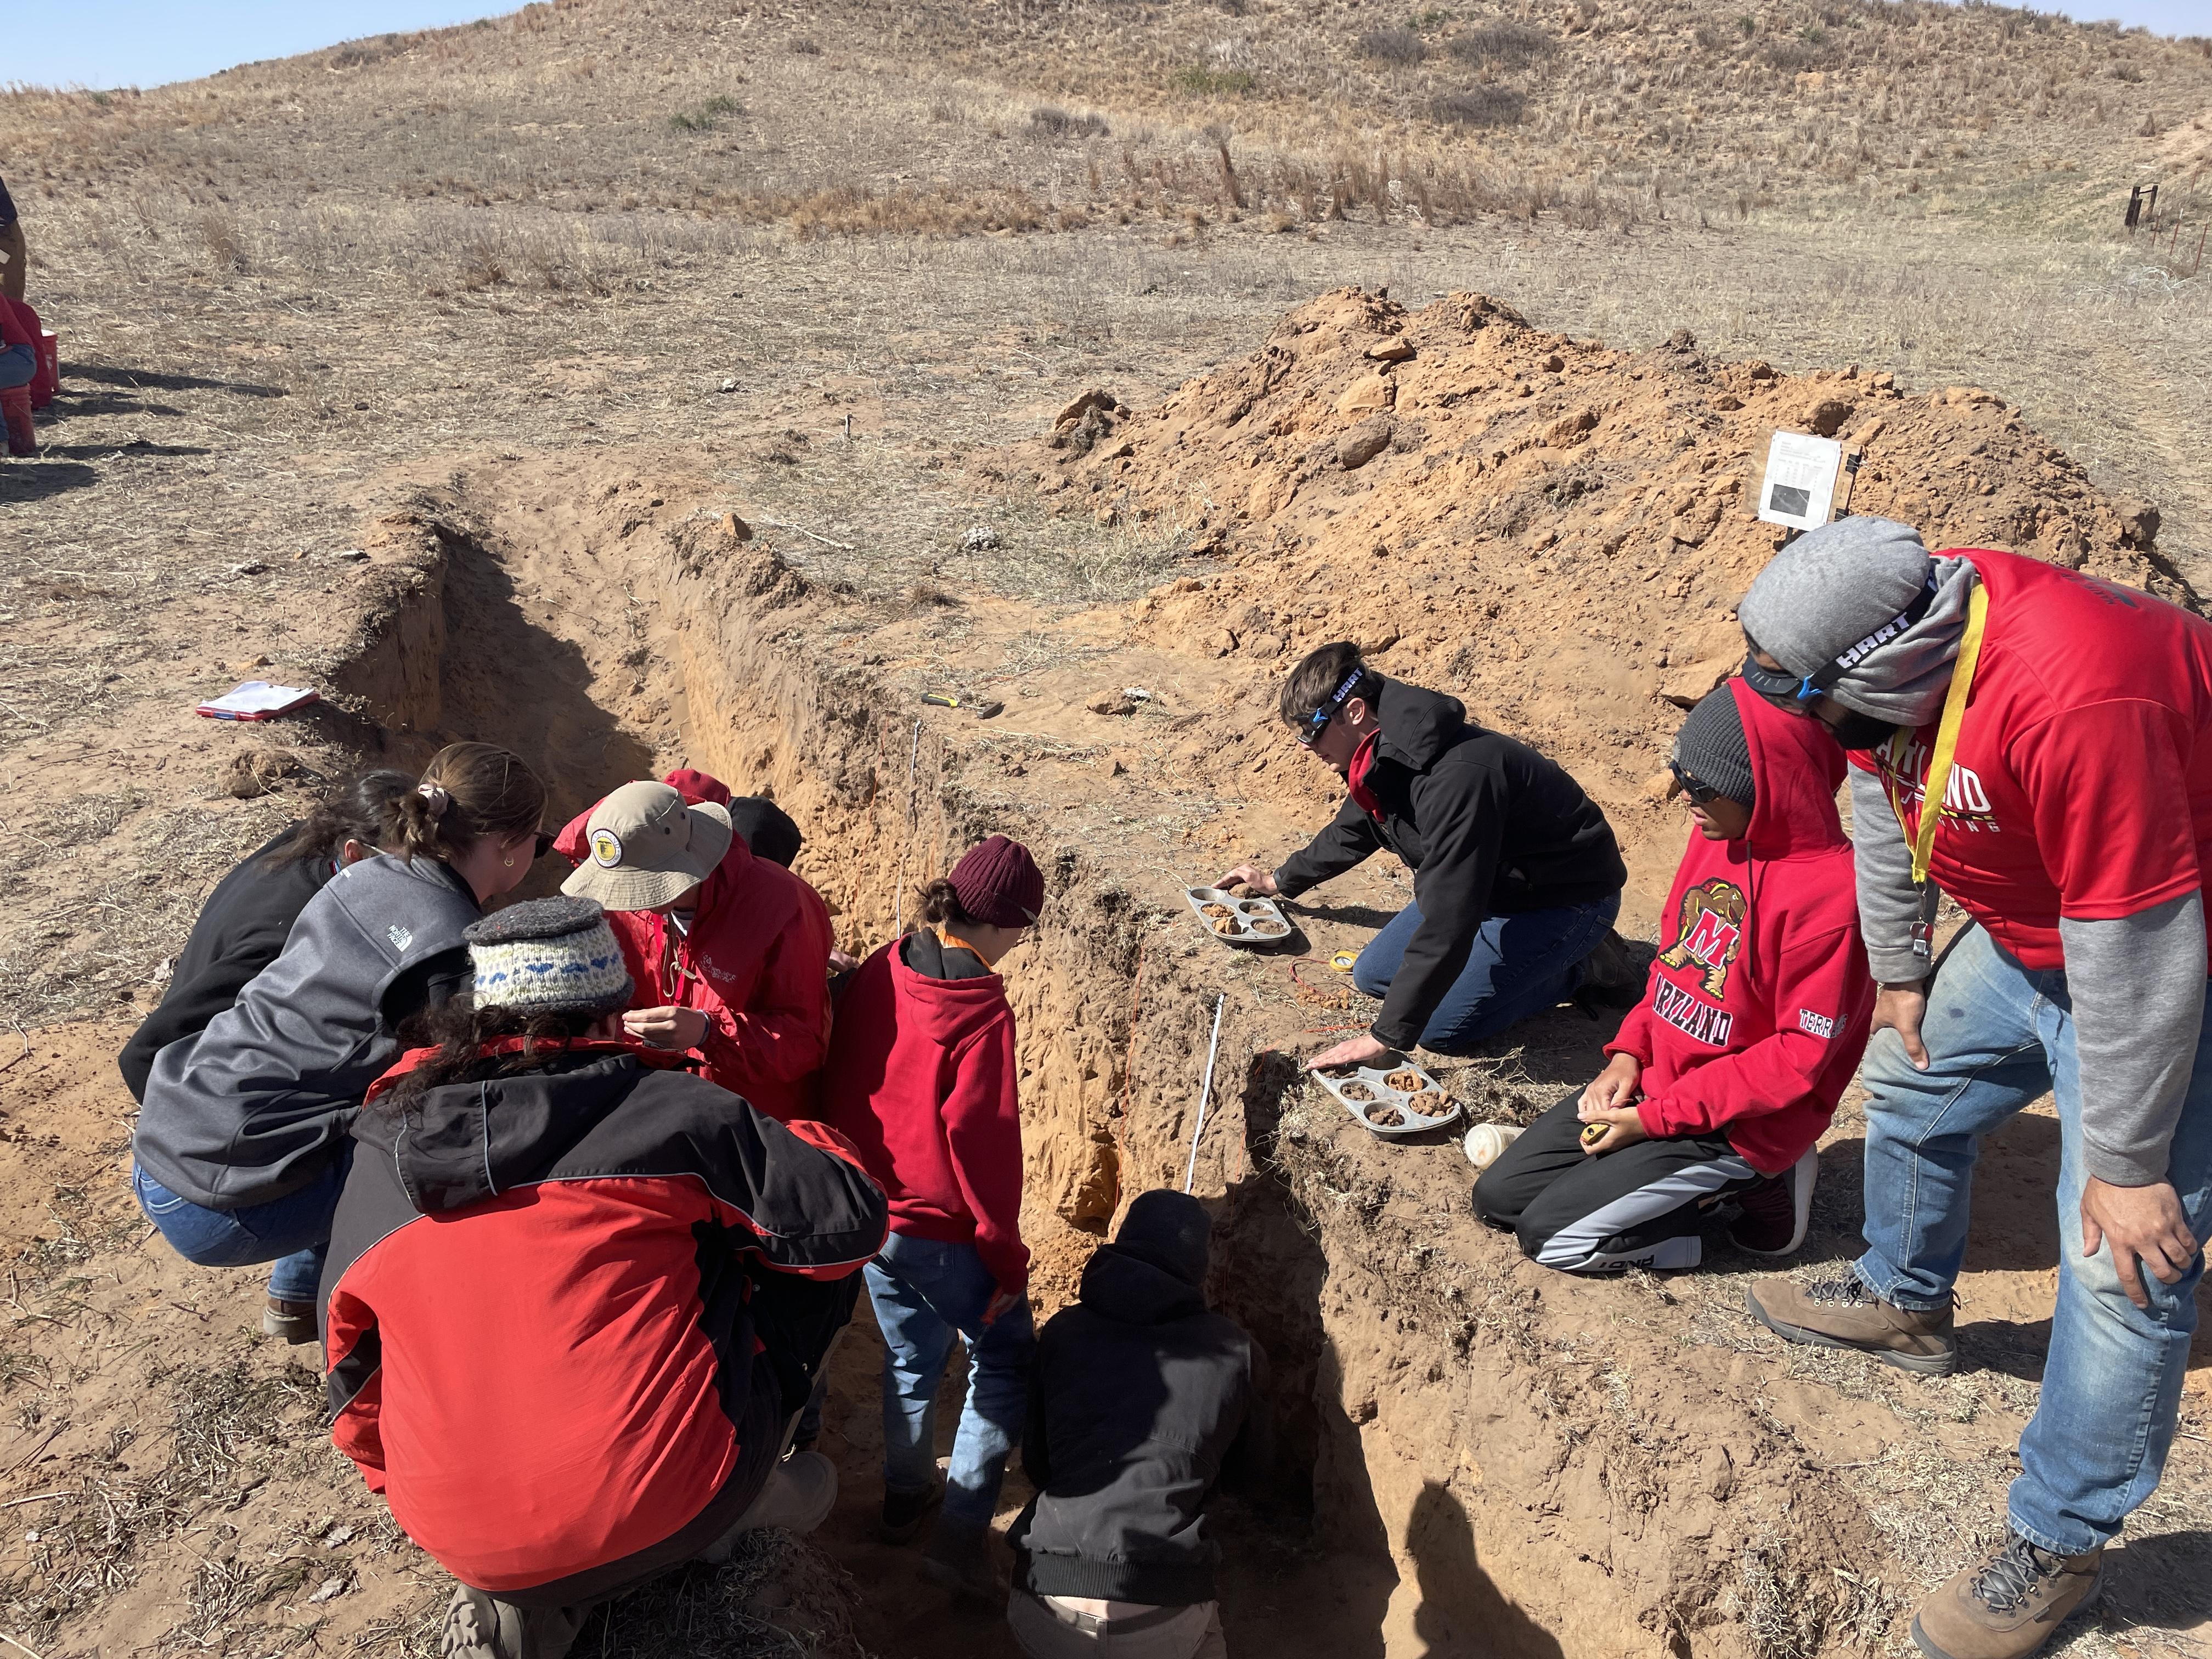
{"points": [[459, 1030]]}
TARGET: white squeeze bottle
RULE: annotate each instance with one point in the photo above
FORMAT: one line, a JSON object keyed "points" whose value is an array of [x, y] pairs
{"points": [[1486, 1142]]}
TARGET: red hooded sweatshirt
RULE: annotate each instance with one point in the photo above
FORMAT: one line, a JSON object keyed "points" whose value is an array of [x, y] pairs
{"points": [[756, 962], [921, 1080], [1760, 999]]}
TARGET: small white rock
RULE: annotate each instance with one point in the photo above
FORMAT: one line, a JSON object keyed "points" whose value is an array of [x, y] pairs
{"points": [[728, 385], [980, 538]]}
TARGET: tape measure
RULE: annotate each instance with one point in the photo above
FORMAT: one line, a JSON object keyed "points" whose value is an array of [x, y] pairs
{"points": [[1342, 961]]}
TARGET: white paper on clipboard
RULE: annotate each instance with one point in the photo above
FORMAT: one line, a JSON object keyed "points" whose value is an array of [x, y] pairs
{"points": [[1799, 489]]}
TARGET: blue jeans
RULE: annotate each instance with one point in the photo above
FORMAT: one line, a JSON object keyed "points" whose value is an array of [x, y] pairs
{"points": [[294, 1231], [1520, 965], [19, 366], [924, 1292], [1998, 1035]]}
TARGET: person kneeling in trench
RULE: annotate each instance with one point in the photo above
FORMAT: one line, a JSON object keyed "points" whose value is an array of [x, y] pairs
{"points": [[576, 1295], [1724, 1077], [1516, 877], [1143, 1402]]}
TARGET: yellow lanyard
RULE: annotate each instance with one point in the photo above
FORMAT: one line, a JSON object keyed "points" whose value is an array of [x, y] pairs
{"points": [[1947, 735]]}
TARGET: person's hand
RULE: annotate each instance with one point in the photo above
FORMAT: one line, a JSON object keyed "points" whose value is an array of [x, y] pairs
{"points": [[1352, 1051], [1615, 1086], [843, 961], [1902, 1007], [1003, 1301], [2137, 1222], [667, 1027], [1261, 881], [1624, 1127]]}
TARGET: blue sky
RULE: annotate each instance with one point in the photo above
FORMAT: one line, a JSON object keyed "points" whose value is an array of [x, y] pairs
{"points": [[144, 43]]}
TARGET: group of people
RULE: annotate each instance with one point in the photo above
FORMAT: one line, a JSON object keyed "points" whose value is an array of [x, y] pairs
{"points": [[2034, 742], [579, 1192], [574, 1193]]}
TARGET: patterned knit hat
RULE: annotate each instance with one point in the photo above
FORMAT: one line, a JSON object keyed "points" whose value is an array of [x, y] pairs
{"points": [[551, 956]]}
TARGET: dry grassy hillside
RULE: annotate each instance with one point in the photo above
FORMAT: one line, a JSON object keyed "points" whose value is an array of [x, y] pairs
{"points": [[552, 293]]}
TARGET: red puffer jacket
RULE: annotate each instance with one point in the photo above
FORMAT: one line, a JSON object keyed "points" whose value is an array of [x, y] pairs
{"points": [[756, 962]]}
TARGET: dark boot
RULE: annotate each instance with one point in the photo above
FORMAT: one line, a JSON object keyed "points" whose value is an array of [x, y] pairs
{"points": [[958, 1559], [2008, 1607], [479, 1625], [294, 1321], [1610, 976], [904, 1513], [1778, 1212]]}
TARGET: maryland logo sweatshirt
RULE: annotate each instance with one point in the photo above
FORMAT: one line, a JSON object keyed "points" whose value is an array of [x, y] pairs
{"points": [[1758, 1002]]}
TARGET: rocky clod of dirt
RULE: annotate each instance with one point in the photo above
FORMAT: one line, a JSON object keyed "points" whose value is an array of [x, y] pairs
{"points": [[1554, 530]]}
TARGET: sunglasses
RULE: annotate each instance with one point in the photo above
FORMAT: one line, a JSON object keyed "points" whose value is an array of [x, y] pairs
{"points": [[1701, 794], [544, 842]]}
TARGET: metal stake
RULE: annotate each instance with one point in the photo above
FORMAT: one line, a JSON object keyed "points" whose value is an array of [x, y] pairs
{"points": [[1205, 1091]]}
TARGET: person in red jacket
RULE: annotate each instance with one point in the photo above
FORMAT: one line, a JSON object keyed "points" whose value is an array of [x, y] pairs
{"points": [[1725, 1075], [922, 1080], [730, 951], [575, 1293]]}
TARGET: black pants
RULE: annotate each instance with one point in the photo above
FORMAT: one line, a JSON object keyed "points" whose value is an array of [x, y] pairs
{"points": [[1638, 1207]]}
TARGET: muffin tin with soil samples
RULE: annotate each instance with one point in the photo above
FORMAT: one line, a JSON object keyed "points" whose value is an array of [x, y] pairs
{"points": [[1394, 1098], [1237, 920]]}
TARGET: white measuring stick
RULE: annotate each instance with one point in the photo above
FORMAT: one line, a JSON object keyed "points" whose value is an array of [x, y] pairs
{"points": [[1205, 1091], [899, 896]]}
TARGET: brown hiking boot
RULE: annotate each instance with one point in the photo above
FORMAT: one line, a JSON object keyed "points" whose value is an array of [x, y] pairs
{"points": [[2009, 1606], [1842, 1313], [294, 1321]]}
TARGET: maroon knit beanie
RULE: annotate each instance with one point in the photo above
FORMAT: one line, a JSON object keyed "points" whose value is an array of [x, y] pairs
{"points": [[999, 883]]}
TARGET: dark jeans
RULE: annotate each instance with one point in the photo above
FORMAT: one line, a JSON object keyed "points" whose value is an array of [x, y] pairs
{"points": [[1520, 965], [294, 1231], [1640, 1206], [19, 366]]}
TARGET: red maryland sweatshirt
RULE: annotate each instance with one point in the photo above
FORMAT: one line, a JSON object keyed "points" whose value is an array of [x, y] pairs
{"points": [[1759, 999], [921, 1079]]}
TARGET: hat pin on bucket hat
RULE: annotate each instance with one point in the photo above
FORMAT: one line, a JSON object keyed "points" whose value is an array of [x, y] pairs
{"points": [[646, 845]]}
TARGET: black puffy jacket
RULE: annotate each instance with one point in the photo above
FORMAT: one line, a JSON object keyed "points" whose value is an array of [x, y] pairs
{"points": [[1488, 826], [1141, 1401]]}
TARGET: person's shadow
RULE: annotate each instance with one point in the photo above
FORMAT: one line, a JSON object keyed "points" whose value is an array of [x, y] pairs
{"points": [[1461, 1612]]}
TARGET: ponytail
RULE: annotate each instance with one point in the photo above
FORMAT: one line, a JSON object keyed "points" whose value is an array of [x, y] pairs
{"points": [[468, 791], [940, 906]]}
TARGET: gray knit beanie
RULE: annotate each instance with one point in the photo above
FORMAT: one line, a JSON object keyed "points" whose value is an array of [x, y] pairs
{"points": [[1713, 749], [1862, 606], [550, 955]]}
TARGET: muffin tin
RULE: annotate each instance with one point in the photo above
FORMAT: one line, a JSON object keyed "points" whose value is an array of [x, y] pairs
{"points": [[1251, 921], [1381, 1091]]}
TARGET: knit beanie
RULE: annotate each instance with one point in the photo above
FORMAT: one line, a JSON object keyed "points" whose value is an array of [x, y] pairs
{"points": [[999, 883], [766, 829], [550, 955], [1171, 1231], [1713, 749]]}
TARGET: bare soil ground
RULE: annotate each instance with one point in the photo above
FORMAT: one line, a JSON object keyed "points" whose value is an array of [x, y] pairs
{"points": [[401, 370]]}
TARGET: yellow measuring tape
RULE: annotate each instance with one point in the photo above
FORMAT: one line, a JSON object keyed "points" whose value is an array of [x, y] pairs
{"points": [[1947, 734]]}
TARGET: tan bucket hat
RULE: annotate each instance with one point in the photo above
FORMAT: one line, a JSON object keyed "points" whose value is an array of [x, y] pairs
{"points": [[645, 847]]}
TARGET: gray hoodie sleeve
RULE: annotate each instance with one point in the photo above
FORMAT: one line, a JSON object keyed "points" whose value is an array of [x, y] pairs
{"points": [[2137, 987], [1888, 902]]}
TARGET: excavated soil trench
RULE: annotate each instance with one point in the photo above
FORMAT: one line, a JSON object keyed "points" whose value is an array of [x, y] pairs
{"points": [[1480, 1457]]}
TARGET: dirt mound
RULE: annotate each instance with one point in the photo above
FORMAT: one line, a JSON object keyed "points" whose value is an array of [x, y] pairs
{"points": [[1556, 531]]}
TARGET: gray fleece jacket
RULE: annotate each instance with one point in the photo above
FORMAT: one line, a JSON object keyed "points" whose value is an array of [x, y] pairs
{"points": [[255, 1106]]}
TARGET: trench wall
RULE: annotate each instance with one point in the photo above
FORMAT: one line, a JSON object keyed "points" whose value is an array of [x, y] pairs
{"points": [[1431, 1421]]}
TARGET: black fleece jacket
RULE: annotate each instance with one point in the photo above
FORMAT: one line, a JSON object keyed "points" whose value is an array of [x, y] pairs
{"points": [[1141, 1402], [1488, 826], [239, 930]]}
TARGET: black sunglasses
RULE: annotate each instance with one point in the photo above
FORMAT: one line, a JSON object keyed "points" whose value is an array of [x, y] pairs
{"points": [[544, 842], [1702, 794]]}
